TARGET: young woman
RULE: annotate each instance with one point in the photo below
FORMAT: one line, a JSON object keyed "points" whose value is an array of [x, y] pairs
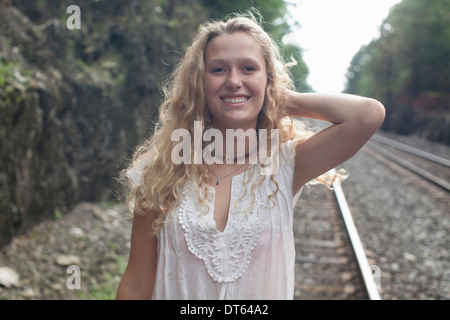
{"points": [[223, 230]]}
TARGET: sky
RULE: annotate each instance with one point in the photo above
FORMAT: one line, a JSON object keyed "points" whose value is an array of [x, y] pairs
{"points": [[331, 32]]}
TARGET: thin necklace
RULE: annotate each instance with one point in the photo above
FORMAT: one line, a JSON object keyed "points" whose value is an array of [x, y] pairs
{"points": [[245, 156], [218, 179]]}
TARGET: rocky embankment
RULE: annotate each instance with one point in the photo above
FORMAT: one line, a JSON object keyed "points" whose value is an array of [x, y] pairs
{"points": [[75, 102], [95, 238]]}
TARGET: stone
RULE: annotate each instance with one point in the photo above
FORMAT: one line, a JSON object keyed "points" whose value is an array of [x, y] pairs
{"points": [[9, 277], [67, 260]]}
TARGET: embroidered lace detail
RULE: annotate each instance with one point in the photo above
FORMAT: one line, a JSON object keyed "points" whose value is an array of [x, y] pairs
{"points": [[226, 254]]}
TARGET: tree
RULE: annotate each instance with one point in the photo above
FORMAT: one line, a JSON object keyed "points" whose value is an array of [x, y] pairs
{"points": [[408, 69]]}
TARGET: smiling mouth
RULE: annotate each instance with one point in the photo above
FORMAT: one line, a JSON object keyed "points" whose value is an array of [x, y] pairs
{"points": [[235, 100]]}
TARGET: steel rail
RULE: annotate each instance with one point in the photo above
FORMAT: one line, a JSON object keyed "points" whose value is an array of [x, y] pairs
{"points": [[419, 171], [411, 150], [355, 240]]}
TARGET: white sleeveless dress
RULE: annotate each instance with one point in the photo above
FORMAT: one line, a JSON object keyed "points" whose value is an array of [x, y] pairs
{"points": [[254, 256]]}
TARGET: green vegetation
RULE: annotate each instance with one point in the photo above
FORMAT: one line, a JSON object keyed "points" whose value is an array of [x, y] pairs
{"points": [[106, 287], [57, 214], [11, 72], [6, 72], [408, 68]]}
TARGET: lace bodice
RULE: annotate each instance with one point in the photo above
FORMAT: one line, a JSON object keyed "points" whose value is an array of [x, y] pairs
{"points": [[226, 254]]}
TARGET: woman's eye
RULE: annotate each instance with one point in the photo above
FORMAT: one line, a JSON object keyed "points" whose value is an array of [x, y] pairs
{"points": [[249, 69], [218, 70]]}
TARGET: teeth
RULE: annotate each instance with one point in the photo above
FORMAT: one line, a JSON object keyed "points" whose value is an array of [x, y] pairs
{"points": [[235, 100]]}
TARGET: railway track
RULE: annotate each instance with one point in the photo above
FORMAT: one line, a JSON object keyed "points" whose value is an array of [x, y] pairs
{"points": [[404, 221], [330, 262], [428, 166]]}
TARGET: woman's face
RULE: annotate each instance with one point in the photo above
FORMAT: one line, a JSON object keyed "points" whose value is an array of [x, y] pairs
{"points": [[235, 80]]}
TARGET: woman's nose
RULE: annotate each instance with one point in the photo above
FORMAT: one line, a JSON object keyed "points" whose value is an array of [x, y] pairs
{"points": [[234, 80]]}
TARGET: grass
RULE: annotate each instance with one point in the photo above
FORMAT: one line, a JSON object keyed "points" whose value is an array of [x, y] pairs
{"points": [[107, 288]]}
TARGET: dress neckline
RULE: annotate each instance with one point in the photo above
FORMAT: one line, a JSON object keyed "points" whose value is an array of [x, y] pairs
{"points": [[226, 253], [236, 180]]}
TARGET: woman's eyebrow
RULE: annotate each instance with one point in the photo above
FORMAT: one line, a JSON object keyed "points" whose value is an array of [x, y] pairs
{"points": [[245, 60], [216, 61]]}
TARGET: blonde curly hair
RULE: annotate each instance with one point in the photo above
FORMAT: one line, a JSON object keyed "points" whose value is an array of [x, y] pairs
{"points": [[185, 102]]}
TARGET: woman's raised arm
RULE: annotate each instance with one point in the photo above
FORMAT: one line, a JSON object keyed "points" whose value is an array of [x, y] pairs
{"points": [[354, 120]]}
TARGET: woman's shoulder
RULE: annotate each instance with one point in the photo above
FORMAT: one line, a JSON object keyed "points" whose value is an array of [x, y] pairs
{"points": [[288, 147], [136, 171]]}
